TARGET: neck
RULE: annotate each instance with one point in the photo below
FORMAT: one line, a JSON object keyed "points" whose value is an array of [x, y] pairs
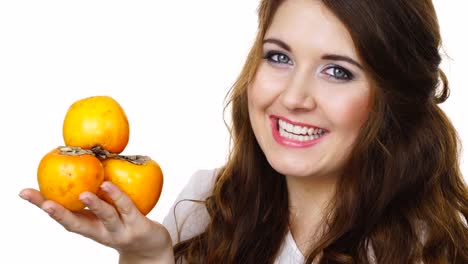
{"points": [[308, 201]]}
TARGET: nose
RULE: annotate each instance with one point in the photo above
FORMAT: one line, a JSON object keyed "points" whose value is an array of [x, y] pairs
{"points": [[298, 93]]}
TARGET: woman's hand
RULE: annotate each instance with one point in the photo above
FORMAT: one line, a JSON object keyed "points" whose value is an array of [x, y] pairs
{"points": [[123, 227]]}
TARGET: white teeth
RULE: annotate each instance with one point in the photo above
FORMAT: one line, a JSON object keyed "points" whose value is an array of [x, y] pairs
{"points": [[301, 138], [299, 130]]}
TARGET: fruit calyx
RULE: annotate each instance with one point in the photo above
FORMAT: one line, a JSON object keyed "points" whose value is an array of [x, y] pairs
{"points": [[102, 153], [74, 151], [135, 159]]}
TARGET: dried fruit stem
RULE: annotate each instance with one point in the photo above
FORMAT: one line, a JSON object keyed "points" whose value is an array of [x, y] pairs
{"points": [[101, 153]]}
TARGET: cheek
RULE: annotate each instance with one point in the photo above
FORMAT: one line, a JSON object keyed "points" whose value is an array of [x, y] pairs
{"points": [[265, 87], [350, 111]]}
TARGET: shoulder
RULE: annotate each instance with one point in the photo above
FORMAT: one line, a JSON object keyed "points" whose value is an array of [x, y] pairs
{"points": [[188, 216], [199, 185]]}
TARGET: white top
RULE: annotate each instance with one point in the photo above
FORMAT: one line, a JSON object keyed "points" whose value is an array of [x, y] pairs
{"points": [[192, 217]]}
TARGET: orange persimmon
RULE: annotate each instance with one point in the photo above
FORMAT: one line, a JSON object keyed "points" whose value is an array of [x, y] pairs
{"points": [[65, 172], [96, 121], [138, 176]]}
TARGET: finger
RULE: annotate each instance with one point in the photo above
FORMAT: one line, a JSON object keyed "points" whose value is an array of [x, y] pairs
{"points": [[123, 203], [104, 211], [70, 221], [33, 196]]}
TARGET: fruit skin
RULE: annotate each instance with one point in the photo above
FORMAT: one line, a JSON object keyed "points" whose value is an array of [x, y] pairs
{"points": [[96, 120], [142, 183], [63, 177]]}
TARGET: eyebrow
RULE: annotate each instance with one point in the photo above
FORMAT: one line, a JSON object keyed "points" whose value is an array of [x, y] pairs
{"points": [[277, 42], [335, 57]]}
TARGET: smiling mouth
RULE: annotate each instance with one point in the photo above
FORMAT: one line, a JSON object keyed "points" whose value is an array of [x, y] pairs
{"points": [[297, 132], [294, 134]]}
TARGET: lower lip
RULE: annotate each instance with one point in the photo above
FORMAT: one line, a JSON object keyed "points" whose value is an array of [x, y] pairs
{"points": [[291, 142]]}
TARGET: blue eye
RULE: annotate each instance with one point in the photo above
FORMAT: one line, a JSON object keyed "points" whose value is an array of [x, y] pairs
{"points": [[339, 73], [277, 57]]}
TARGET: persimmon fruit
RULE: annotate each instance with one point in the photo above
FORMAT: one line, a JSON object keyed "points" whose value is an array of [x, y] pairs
{"points": [[65, 172], [138, 176], [96, 121], [95, 132]]}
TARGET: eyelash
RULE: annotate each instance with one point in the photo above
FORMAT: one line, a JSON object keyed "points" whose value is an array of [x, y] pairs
{"points": [[349, 76]]}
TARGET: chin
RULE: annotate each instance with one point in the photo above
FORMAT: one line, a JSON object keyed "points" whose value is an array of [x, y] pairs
{"points": [[292, 168]]}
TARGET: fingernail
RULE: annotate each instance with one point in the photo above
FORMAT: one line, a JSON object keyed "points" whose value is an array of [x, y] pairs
{"points": [[85, 200], [25, 197], [106, 187], [50, 211]]}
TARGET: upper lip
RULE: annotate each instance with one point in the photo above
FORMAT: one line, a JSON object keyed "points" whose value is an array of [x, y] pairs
{"points": [[295, 122]]}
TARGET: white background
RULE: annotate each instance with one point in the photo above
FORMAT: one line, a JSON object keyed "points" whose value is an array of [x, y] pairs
{"points": [[168, 63]]}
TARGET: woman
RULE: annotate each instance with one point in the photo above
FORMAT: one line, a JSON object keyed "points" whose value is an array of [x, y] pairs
{"points": [[340, 152]]}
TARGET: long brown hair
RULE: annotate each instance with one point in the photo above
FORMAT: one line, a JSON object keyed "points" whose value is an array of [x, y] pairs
{"points": [[403, 199]]}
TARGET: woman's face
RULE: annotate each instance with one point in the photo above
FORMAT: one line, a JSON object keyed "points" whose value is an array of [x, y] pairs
{"points": [[310, 95]]}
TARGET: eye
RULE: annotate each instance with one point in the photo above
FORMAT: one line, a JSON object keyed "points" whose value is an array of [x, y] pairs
{"points": [[339, 73], [277, 57]]}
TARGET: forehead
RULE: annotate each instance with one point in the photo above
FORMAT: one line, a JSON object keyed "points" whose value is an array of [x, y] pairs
{"points": [[309, 25]]}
